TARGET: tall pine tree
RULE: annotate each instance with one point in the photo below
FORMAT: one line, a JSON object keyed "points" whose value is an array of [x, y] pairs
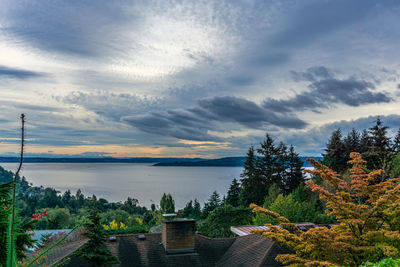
{"points": [[233, 195], [213, 202], [253, 189], [396, 143], [279, 175], [294, 172], [267, 162], [365, 142], [352, 142], [335, 156], [196, 210], [380, 148]]}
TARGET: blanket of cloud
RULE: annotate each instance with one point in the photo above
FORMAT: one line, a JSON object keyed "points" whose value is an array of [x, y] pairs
{"points": [[194, 78]]}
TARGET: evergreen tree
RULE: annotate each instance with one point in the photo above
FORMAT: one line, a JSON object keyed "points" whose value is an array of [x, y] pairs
{"points": [[94, 251], [396, 143], [233, 193], [365, 142], [66, 198], [294, 173], [279, 173], [352, 142], [196, 210], [167, 204], [267, 162], [80, 198], [253, 189], [213, 202], [380, 148], [188, 209], [335, 156]]}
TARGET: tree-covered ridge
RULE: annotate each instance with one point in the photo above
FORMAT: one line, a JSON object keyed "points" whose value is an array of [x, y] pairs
{"points": [[68, 210]]}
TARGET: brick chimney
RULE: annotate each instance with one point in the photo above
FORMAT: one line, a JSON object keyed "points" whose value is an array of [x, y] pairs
{"points": [[178, 236]]}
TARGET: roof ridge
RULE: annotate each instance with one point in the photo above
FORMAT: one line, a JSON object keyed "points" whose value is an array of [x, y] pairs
{"points": [[217, 238], [137, 234]]}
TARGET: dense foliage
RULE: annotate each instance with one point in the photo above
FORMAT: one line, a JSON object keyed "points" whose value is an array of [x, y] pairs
{"points": [[302, 205], [220, 220], [383, 263], [213, 202], [373, 144], [167, 204], [22, 238], [272, 164], [94, 250], [367, 211], [67, 210]]}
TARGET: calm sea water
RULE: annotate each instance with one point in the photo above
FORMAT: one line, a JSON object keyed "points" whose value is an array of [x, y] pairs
{"points": [[117, 181]]}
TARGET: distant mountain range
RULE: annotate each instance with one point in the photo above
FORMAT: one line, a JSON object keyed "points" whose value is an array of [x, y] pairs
{"points": [[222, 162], [184, 162], [96, 160]]}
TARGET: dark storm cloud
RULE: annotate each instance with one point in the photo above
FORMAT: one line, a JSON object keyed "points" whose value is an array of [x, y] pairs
{"points": [[325, 90], [179, 124], [247, 113], [7, 72], [210, 114]]}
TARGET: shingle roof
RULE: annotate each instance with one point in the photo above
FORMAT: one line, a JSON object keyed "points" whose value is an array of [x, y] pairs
{"points": [[251, 250], [246, 229]]}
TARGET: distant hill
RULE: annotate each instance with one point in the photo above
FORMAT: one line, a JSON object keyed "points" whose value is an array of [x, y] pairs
{"points": [[96, 160], [222, 162]]}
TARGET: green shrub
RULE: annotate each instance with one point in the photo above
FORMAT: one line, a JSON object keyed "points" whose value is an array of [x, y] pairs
{"points": [[220, 220], [383, 263], [136, 229]]}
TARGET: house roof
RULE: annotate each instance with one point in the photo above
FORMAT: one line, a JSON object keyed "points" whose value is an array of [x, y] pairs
{"points": [[251, 250], [246, 229]]}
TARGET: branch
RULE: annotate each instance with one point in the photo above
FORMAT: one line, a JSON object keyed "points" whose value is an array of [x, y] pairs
{"points": [[11, 255]]}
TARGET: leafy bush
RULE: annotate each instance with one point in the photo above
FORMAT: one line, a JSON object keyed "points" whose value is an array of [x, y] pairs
{"points": [[220, 220], [367, 211], [301, 205], [383, 263], [128, 230]]}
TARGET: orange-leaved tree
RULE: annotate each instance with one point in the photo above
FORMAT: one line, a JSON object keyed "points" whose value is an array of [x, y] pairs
{"points": [[367, 211]]}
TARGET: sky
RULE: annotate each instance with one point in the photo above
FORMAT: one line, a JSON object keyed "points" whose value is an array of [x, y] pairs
{"points": [[194, 78]]}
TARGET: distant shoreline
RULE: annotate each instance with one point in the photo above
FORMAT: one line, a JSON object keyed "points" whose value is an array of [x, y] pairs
{"points": [[95, 160], [157, 162]]}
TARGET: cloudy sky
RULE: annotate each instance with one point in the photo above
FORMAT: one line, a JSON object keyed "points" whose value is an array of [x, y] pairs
{"points": [[194, 78]]}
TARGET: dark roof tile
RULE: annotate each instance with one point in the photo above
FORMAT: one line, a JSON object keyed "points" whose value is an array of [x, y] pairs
{"points": [[251, 250]]}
